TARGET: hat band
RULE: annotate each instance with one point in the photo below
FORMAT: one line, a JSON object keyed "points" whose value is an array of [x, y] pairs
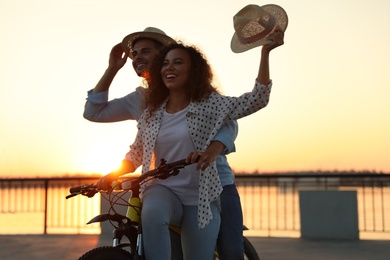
{"points": [[265, 32]]}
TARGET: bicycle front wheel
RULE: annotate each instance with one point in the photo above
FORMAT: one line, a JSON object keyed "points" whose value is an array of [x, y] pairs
{"points": [[107, 253], [249, 251]]}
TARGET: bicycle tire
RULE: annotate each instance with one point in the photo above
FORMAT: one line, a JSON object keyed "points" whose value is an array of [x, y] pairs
{"points": [[107, 253], [249, 250]]}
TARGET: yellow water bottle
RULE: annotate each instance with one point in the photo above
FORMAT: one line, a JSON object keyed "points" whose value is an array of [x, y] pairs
{"points": [[134, 209]]}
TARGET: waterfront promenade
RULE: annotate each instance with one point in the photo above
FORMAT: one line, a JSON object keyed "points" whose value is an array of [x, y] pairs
{"points": [[70, 247]]}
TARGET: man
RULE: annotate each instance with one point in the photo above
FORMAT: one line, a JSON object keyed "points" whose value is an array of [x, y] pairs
{"points": [[142, 48]]}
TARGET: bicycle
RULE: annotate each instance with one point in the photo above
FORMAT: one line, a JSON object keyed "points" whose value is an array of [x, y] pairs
{"points": [[130, 225]]}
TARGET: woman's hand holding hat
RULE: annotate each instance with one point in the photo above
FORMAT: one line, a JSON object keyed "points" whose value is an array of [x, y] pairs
{"points": [[277, 39]]}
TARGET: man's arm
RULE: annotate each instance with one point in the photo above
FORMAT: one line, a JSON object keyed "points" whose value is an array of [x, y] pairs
{"points": [[118, 58], [227, 135], [99, 109]]}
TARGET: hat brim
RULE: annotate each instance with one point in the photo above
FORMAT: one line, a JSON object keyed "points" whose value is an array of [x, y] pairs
{"points": [[161, 38], [281, 21]]}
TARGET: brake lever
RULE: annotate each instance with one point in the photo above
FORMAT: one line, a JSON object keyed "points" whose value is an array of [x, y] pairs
{"points": [[71, 195], [175, 172], [165, 173], [89, 193]]}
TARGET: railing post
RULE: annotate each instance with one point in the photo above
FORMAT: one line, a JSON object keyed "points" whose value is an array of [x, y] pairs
{"points": [[45, 208]]}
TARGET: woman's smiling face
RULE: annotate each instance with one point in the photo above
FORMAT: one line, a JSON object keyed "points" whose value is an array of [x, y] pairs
{"points": [[176, 69]]}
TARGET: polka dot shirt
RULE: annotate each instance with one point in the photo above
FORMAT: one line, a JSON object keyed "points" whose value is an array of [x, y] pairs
{"points": [[204, 119]]}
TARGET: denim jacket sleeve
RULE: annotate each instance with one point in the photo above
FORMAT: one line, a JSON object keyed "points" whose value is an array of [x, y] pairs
{"points": [[227, 135]]}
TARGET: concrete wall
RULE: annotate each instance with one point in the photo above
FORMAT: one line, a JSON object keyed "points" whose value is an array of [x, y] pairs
{"points": [[328, 214]]}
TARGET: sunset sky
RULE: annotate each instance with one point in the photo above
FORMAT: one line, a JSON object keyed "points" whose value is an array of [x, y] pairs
{"points": [[329, 107]]}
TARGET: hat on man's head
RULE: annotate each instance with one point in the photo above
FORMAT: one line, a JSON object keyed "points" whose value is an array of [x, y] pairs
{"points": [[253, 23], [149, 33]]}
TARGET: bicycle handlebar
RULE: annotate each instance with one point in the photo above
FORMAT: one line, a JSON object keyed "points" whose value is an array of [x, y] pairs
{"points": [[163, 171], [81, 188]]}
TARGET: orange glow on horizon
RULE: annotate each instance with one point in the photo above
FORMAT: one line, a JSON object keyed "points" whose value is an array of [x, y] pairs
{"points": [[329, 105]]}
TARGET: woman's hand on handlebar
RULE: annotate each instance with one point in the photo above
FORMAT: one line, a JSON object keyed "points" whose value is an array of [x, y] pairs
{"points": [[204, 160], [105, 182], [207, 157]]}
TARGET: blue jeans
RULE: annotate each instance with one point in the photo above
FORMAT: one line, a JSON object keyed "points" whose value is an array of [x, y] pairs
{"points": [[230, 243], [160, 208]]}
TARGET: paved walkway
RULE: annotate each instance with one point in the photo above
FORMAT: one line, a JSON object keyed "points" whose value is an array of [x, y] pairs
{"points": [[70, 247]]}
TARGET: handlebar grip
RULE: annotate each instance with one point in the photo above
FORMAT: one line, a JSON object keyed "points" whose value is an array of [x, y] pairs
{"points": [[179, 163], [75, 189], [182, 162], [82, 188]]}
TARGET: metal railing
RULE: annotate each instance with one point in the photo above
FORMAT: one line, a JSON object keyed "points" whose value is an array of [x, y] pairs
{"points": [[39, 206], [270, 202]]}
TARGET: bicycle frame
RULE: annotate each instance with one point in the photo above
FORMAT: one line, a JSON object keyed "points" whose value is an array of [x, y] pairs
{"points": [[129, 225]]}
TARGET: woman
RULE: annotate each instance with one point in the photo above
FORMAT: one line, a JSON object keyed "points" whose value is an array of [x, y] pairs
{"points": [[184, 112]]}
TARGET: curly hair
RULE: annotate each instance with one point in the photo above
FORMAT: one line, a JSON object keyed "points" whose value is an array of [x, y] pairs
{"points": [[200, 80]]}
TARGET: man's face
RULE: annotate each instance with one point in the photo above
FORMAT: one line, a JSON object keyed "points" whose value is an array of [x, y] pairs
{"points": [[143, 53]]}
